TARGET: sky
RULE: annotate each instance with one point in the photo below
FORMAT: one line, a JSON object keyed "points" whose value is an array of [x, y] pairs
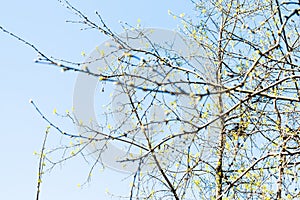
{"points": [[43, 23]]}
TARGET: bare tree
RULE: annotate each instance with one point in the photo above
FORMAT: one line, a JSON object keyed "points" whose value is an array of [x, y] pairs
{"points": [[220, 122]]}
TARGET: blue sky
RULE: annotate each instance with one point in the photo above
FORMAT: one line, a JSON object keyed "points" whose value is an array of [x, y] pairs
{"points": [[43, 24]]}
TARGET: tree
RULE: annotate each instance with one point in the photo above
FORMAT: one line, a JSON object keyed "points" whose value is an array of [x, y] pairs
{"points": [[217, 123]]}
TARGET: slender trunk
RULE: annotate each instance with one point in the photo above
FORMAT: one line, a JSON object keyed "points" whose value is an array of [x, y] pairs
{"points": [[221, 139]]}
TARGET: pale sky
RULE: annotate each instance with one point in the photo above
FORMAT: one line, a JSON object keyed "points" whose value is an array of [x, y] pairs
{"points": [[43, 24]]}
